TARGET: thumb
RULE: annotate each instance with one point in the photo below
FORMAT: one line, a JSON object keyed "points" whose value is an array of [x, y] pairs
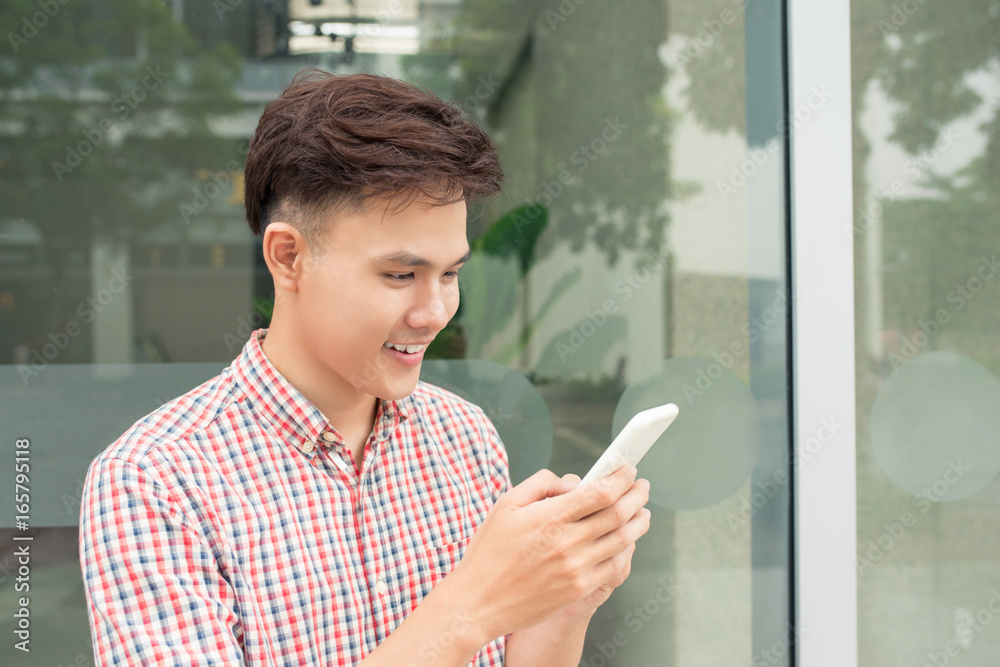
{"points": [[543, 484], [571, 481]]}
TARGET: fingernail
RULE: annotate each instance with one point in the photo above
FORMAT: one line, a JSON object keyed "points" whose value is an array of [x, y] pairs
{"points": [[633, 471]]}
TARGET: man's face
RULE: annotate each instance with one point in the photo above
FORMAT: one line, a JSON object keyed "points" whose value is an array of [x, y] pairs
{"points": [[379, 292]]}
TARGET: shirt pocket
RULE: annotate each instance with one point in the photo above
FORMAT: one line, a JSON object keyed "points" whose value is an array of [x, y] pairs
{"points": [[444, 558], [425, 568]]}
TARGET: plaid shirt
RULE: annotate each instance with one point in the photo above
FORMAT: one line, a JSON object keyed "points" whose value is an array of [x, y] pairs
{"points": [[231, 526]]}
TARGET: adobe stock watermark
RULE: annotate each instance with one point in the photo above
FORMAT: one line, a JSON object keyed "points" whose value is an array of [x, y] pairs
{"points": [[122, 107], [893, 532], [763, 491], [901, 13], [244, 327], [72, 501], [627, 286], [550, 532], [777, 652], [967, 628], [48, 9], [697, 45], [550, 20], [87, 310], [635, 620], [223, 7], [914, 167], [460, 626], [959, 296], [755, 327], [740, 175], [367, 31], [580, 159], [206, 192], [484, 90]]}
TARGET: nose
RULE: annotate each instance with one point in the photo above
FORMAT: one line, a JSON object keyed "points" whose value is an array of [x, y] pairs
{"points": [[433, 310]]}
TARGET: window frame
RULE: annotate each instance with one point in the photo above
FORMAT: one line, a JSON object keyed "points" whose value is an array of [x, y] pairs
{"points": [[822, 278]]}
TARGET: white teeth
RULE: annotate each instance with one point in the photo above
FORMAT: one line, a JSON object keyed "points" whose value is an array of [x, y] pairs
{"points": [[409, 349]]}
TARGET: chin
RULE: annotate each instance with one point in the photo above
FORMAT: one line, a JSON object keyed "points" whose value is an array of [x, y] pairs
{"points": [[397, 390]]}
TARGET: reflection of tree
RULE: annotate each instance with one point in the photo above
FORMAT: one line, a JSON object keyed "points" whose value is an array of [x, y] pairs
{"points": [[590, 66], [923, 60], [711, 52], [104, 111], [938, 266]]}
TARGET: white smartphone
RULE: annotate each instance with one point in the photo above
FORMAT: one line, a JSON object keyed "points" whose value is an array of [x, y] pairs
{"points": [[634, 441]]}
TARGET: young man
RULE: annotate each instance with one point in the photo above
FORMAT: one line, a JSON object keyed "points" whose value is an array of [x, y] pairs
{"points": [[305, 506]]}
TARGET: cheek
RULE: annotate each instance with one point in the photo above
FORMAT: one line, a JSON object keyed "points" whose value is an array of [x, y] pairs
{"points": [[451, 301]]}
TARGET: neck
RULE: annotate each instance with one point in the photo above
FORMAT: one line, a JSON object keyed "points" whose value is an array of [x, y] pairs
{"points": [[350, 411]]}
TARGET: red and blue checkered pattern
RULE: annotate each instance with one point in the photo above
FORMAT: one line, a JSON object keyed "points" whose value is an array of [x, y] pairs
{"points": [[232, 526]]}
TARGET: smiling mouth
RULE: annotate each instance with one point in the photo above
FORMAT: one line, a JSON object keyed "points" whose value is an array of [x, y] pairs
{"points": [[406, 349]]}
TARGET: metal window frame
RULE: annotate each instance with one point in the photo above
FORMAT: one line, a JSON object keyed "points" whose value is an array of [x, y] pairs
{"points": [[822, 278]]}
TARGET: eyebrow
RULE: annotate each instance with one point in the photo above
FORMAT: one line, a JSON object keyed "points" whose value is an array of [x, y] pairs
{"points": [[408, 259]]}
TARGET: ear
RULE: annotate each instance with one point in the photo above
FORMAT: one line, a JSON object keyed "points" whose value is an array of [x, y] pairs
{"points": [[286, 254]]}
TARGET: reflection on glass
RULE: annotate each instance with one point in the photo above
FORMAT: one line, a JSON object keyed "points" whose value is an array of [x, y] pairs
{"points": [[926, 166], [635, 256]]}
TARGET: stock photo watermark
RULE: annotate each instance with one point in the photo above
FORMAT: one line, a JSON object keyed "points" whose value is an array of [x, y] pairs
{"points": [[901, 13], [481, 94], [711, 29], [635, 620], [122, 107], [756, 326], [914, 167], [551, 19], [970, 625], [30, 26], [893, 532], [22, 542], [87, 310], [763, 491], [461, 624], [216, 184], [581, 158], [740, 175], [959, 296], [627, 286], [777, 652]]}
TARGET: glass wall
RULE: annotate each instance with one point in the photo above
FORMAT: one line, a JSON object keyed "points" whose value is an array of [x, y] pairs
{"points": [[926, 81], [637, 256]]}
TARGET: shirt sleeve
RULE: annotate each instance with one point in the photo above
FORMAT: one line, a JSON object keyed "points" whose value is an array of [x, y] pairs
{"points": [[155, 594], [497, 461]]}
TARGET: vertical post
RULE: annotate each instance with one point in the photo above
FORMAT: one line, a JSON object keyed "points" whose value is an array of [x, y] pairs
{"points": [[819, 55], [110, 302]]}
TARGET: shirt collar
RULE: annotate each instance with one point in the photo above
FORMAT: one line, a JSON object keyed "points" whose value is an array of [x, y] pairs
{"points": [[290, 414]]}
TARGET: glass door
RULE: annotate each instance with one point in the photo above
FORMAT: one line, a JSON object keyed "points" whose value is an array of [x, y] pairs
{"points": [[637, 256]]}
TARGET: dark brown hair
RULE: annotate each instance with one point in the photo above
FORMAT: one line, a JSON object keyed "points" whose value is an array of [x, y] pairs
{"points": [[331, 142]]}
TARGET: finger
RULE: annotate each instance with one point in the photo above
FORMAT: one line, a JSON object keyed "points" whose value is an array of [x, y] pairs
{"points": [[586, 499], [620, 539], [615, 516], [616, 569], [543, 484], [571, 480]]}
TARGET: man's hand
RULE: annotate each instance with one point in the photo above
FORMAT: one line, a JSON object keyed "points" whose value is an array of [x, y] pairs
{"points": [[551, 545], [587, 606]]}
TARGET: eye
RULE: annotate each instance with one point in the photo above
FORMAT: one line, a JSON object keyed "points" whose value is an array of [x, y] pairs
{"points": [[451, 275], [399, 277]]}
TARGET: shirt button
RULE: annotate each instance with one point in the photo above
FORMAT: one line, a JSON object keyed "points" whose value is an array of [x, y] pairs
{"points": [[381, 586], [307, 447], [329, 437]]}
